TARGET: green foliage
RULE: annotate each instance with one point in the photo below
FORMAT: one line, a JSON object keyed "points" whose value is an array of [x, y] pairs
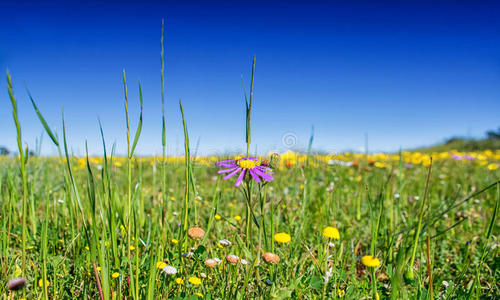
{"points": [[491, 142]]}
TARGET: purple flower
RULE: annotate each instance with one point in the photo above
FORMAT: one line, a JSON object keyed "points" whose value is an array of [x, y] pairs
{"points": [[457, 157], [244, 165], [408, 166]]}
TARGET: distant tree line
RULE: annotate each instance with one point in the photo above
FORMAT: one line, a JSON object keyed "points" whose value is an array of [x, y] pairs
{"points": [[492, 135], [4, 150]]}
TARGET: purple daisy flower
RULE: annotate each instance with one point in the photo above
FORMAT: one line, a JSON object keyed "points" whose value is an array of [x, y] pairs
{"points": [[244, 165]]}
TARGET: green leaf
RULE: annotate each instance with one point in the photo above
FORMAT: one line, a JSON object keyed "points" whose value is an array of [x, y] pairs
{"points": [[316, 282]]}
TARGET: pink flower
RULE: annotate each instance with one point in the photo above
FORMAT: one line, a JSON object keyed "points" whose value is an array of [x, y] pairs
{"points": [[244, 165]]}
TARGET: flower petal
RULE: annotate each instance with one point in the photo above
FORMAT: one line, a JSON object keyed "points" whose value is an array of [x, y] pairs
{"points": [[262, 174], [226, 170], [226, 165], [240, 178], [223, 161], [231, 174], [254, 176]]}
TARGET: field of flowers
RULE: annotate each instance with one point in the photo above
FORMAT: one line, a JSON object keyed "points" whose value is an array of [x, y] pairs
{"points": [[405, 225], [327, 226]]}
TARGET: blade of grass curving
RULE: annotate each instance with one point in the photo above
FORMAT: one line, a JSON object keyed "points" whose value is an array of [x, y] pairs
{"points": [[42, 120], [309, 147], [77, 202], [23, 154], [163, 130], [132, 292], [163, 138], [139, 125], [187, 159], [249, 109], [440, 214], [419, 226]]}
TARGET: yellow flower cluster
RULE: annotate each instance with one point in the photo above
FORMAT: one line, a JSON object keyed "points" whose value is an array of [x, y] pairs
{"points": [[487, 158]]}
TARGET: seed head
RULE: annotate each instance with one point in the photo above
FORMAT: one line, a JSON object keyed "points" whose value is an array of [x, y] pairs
{"points": [[232, 259], [271, 258], [16, 283], [196, 233]]}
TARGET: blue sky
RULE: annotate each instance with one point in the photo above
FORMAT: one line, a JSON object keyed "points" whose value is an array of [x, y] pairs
{"points": [[405, 74]]}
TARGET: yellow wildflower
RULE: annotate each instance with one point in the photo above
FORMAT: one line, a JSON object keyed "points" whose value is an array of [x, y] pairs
{"points": [[341, 293], [194, 280], [179, 280], [282, 237], [161, 265], [331, 232], [370, 261], [40, 283], [492, 167], [115, 275], [237, 218]]}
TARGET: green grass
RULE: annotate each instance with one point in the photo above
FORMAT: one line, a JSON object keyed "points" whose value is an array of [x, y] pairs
{"points": [[98, 227], [67, 251]]}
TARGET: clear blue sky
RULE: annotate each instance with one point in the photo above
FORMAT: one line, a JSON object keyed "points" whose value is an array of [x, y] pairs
{"points": [[405, 74]]}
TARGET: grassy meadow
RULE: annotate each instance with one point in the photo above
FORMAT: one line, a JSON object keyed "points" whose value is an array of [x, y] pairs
{"points": [[84, 241], [406, 225]]}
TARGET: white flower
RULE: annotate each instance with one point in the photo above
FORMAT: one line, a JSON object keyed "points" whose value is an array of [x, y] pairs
{"points": [[445, 283], [225, 243], [340, 163], [328, 274], [217, 260], [170, 270], [416, 197], [331, 245], [175, 213], [396, 195], [330, 187], [244, 262]]}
